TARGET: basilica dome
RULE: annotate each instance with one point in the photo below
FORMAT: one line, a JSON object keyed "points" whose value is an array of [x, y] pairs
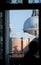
{"points": [[31, 23]]}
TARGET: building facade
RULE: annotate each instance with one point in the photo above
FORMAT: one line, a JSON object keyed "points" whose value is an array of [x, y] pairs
{"points": [[18, 46], [19, 42]]}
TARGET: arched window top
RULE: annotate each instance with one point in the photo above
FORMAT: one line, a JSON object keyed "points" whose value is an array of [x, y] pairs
{"points": [[34, 1], [17, 1]]}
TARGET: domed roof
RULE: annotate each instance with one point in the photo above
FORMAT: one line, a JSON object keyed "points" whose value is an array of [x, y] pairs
{"points": [[31, 23]]}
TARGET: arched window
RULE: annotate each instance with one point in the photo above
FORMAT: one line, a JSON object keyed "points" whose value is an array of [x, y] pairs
{"points": [[15, 1], [34, 1]]}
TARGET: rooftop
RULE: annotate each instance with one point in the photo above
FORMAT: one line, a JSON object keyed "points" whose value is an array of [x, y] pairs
{"points": [[22, 35]]}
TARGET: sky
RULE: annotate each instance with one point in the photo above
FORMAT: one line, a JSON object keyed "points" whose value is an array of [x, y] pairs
{"points": [[17, 19]]}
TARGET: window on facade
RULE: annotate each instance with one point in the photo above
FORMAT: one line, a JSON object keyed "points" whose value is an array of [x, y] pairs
{"points": [[18, 40], [17, 1]]}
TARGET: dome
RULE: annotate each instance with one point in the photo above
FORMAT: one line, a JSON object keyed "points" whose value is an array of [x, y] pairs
{"points": [[31, 23]]}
